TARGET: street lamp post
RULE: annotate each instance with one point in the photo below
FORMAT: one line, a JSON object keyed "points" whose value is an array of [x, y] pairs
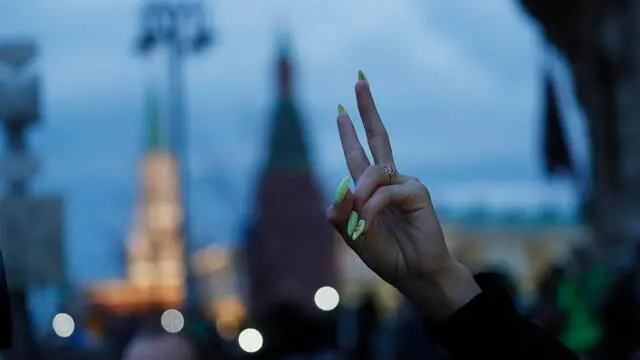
{"points": [[19, 111], [183, 29]]}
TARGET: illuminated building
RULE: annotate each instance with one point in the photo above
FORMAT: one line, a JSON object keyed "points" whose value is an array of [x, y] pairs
{"points": [[155, 270]]}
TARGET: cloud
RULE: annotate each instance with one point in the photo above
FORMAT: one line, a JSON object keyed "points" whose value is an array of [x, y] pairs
{"points": [[455, 81]]}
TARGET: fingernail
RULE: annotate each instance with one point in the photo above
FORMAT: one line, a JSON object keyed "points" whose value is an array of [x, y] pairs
{"points": [[341, 109], [359, 229], [351, 224], [361, 76], [341, 191]]}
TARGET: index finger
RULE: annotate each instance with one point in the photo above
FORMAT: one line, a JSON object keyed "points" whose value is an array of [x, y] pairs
{"points": [[377, 135], [354, 154]]}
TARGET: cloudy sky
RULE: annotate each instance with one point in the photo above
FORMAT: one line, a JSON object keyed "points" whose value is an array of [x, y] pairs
{"points": [[457, 82]]}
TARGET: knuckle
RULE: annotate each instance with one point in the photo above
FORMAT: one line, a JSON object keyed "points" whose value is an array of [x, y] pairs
{"points": [[378, 173], [369, 174], [419, 187]]}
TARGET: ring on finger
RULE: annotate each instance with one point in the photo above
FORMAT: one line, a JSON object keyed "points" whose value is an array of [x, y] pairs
{"points": [[390, 171]]}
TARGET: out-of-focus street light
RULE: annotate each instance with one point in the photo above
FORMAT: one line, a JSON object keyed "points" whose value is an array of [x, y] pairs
{"points": [[63, 325], [250, 340], [172, 321], [327, 298]]}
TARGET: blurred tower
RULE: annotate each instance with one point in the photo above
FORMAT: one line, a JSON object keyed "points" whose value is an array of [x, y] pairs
{"points": [[155, 259], [290, 247], [183, 28]]}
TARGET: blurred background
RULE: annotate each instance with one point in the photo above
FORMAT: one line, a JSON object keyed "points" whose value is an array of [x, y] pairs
{"points": [[166, 166]]}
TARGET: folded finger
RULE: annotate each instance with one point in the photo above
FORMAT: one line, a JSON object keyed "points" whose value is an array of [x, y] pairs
{"points": [[382, 197], [372, 178]]}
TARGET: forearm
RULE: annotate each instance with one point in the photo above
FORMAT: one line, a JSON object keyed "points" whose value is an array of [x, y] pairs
{"points": [[489, 325]]}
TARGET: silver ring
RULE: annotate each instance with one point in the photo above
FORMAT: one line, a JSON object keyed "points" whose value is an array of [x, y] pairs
{"points": [[390, 171]]}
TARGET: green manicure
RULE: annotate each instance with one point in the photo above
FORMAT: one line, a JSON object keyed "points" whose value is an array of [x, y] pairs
{"points": [[359, 229], [351, 224], [362, 76], [341, 191]]}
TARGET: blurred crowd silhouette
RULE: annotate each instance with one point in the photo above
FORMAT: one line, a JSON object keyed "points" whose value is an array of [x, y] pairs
{"points": [[591, 310]]}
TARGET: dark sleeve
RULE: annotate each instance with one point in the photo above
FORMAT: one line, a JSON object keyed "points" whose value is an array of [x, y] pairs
{"points": [[490, 326]]}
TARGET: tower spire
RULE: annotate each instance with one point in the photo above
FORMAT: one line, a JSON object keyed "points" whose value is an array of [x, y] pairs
{"points": [[155, 138], [284, 65], [288, 148]]}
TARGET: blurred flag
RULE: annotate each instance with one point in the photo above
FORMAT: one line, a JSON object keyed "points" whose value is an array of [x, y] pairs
{"points": [[556, 155]]}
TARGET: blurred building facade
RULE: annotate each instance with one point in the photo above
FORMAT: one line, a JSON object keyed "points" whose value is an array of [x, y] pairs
{"points": [[521, 235], [220, 286], [290, 249]]}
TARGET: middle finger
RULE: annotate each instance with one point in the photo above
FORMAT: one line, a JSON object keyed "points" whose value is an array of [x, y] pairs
{"points": [[377, 135]]}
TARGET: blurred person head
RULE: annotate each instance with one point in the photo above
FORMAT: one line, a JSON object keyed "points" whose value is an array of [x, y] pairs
{"points": [[550, 283], [581, 258], [198, 340], [290, 330], [152, 342], [498, 277], [119, 331]]}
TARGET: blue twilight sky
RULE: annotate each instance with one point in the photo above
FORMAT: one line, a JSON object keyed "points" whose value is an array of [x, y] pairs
{"points": [[457, 82]]}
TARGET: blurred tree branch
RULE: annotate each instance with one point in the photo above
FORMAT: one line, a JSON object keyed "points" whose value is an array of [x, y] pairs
{"points": [[598, 40]]}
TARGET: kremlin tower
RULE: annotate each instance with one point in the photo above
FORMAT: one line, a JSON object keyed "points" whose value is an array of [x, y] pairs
{"points": [[290, 249], [154, 253], [155, 271]]}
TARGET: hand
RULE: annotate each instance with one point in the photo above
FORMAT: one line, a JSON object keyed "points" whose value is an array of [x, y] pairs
{"points": [[390, 222]]}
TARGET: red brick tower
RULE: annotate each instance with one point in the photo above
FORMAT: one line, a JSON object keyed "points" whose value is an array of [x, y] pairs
{"points": [[290, 247]]}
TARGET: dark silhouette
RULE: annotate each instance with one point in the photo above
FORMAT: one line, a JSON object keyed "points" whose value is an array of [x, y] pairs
{"points": [[290, 253], [291, 331], [412, 342], [620, 316], [557, 157], [547, 314], [6, 325], [499, 279], [367, 324]]}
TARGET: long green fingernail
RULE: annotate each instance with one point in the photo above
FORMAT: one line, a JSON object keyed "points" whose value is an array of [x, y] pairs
{"points": [[351, 224], [361, 76], [341, 109], [359, 229], [341, 191]]}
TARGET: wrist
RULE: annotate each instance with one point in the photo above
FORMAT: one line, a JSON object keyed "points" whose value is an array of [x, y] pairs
{"points": [[443, 295], [458, 286]]}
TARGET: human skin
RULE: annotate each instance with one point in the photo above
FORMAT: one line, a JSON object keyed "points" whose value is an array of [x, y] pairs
{"points": [[397, 233]]}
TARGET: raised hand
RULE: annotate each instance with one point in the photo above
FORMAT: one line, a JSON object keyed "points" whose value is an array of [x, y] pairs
{"points": [[389, 220]]}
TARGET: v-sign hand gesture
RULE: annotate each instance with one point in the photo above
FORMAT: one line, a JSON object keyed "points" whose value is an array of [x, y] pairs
{"points": [[389, 220]]}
